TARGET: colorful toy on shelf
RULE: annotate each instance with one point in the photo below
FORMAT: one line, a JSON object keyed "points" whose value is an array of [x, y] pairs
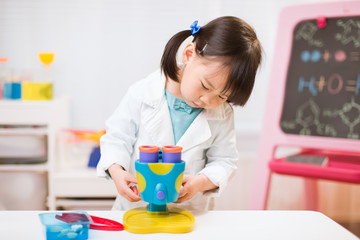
{"points": [[12, 90], [87, 134], [159, 175], [37, 91], [93, 136], [47, 58], [42, 89], [11, 86]]}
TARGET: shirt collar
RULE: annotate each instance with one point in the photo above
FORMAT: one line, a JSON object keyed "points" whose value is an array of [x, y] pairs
{"points": [[178, 104]]}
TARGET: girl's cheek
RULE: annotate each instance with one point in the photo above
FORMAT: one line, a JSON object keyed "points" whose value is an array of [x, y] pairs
{"points": [[191, 92]]}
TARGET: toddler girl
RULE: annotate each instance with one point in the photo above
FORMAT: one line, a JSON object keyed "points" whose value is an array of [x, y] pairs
{"points": [[187, 105]]}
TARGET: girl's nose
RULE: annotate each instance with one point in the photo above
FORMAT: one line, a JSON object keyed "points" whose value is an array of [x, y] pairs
{"points": [[206, 99]]}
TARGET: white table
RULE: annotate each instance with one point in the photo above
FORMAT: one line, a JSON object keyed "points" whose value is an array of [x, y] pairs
{"points": [[244, 225]]}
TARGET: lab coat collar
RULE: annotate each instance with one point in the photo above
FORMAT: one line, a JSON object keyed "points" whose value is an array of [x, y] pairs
{"points": [[156, 90], [159, 121]]}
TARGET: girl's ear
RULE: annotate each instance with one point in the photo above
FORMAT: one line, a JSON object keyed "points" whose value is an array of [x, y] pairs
{"points": [[188, 53]]}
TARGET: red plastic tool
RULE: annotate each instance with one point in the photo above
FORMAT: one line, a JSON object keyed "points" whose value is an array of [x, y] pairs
{"points": [[105, 224]]}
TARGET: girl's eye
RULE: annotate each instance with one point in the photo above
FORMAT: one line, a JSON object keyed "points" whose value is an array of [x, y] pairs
{"points": [[222, 98], [204, 86]]}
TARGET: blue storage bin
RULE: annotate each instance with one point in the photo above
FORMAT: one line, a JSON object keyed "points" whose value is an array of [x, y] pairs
{"points": [[12, 90], [66, 225]]}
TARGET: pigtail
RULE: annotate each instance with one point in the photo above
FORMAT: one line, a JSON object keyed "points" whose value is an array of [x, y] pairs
{"points": [[168, 60]]}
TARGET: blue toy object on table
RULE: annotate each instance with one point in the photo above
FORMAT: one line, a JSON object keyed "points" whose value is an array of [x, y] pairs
{"points": [[57, 225], [159, 175]]}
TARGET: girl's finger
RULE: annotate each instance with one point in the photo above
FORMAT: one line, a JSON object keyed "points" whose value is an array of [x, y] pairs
{"points": [[130, 195], [185, 179], [181, 199], [136, 191], [130, 178], [182, 193]]}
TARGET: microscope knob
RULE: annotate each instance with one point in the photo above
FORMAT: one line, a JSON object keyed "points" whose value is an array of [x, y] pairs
{"points": [[160, 195], [160, 191]]}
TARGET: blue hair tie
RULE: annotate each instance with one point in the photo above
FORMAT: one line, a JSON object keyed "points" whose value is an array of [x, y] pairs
{"points": [[194, 27]]}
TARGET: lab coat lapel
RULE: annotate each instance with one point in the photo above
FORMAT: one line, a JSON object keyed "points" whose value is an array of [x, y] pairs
{"points": [[197, 133], [156, 116], [157, 123]]}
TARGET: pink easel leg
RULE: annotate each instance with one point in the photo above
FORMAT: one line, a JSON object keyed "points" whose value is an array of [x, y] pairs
{"points": [[311, 194]]}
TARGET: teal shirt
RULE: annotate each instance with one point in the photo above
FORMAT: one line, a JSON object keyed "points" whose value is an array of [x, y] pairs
{"points": [[182, 115]]}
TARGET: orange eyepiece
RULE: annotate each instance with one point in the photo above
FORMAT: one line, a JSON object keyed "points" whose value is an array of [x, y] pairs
{"points": [[149, 148], [171, 149]]}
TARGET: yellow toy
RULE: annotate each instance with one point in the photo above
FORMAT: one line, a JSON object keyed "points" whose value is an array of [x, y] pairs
{"points": [[159, 178], [42, 90]]}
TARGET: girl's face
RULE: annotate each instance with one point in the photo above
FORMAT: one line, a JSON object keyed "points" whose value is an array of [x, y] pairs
{"points": [[202, 80]]}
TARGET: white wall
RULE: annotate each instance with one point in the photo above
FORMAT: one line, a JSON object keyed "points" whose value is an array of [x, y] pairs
{"points": [[104, 46]]}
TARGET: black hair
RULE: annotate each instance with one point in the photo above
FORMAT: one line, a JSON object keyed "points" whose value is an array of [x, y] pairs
{"points": [[229, 38]]}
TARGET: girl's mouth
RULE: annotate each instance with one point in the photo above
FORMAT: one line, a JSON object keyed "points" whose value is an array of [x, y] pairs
{"points": [[197, 106]]}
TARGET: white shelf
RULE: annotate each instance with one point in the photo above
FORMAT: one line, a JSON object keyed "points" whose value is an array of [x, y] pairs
{"points": [[35, 167], [76, 172], [47, 118], [24, 131], [33, 118], [82, 182], [85, 204], [52, 113]]}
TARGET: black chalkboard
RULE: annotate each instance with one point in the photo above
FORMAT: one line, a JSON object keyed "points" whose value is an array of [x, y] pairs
{"points": [[322, 96]]}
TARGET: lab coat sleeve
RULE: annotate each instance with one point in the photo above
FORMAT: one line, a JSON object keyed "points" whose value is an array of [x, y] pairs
{"points": [[222, 156], [121, 128]]}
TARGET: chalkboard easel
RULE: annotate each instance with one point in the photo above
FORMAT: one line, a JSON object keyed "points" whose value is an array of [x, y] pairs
{"points": [[313, 101], [322, 94]]}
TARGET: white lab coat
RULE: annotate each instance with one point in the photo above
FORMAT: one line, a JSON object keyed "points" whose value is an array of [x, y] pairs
{"points": [[143, 118]]}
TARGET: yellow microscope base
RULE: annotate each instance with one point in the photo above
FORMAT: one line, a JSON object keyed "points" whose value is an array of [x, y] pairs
{"points": [[176, 220]]}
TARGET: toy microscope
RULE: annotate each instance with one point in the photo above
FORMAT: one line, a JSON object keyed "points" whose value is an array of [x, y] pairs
{"points": [[159, 174]]}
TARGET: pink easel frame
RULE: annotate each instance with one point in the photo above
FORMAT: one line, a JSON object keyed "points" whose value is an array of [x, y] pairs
{"points": [[272, 136]]}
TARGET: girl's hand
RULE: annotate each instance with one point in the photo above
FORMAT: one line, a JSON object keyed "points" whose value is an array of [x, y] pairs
{"points": [[193, 184], [122, 179]]}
